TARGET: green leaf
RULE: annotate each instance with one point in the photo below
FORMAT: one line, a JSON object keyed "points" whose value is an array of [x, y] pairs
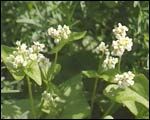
{"points": [[34, 72], [104, 75], [28, 21], [17, 109], [74, 36], [53, 70], [109, 75], [17, 74], [126, 96], [76, 106], [91, 74], [141, 85], [77, 36], [5, 52]]}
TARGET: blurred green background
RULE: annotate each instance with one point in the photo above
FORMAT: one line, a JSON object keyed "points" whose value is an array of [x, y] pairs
{"points": [[29, 21]]}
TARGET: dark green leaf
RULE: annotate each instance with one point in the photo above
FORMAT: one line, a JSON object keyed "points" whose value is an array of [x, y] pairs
{"points": [[74, 36], [76, 106]]}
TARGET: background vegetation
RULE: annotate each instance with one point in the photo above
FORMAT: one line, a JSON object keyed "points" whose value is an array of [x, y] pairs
{"points": [[29, 21]]}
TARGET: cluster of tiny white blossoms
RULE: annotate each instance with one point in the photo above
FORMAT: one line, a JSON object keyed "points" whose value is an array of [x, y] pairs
{"points": [[50, 102], [60, 33], [23, 55], [118, 47], [124, 80], [123, 42], [101, 48], [110, 62], [51, 97]]}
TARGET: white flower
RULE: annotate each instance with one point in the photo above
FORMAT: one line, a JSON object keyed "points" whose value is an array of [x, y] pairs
{"points": [[33, 56], [126, 42], [23, 56], [101, 47], [37, 47], [25, 63], [118, 50], [119, 46], [120, 31], [23, 47], [18, 43], [51, 97], [125, 79], [19, 59], [42, 58], [57, 41], [110, 62], [59, 33]]}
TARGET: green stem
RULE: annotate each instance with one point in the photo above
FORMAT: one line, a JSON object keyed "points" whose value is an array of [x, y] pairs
{"points": [[31, 97], [56, 56], [95, 87], [119, 63], [93, 94], [109, 109], [55, 61]]}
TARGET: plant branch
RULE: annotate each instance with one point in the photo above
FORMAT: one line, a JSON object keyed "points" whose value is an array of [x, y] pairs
{"points": [[31, 97]]}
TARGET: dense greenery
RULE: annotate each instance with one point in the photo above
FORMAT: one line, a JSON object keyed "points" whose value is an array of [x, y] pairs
{"points": [[76, 68]]}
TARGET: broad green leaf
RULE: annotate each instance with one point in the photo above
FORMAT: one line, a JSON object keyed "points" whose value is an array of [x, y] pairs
{"points": [[17, 74], [28, 21], [90, 74], [143, 112], [19, 108], [77, 36], [131, 106], [34, 72], [109, 75], [44, 67], [5, 52], [10, 110], [125, 96], [53, 70], [105, 75], [74, 36], [141, 85], [76, 106]]}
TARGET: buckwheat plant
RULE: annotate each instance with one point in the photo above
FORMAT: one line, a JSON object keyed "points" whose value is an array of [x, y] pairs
{"points": [[59, 33], [110, 63], [29, 62]]}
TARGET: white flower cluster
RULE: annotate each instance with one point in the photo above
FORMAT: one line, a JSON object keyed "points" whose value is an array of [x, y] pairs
{"points": [[51, 97], [123, 42], [50, 102], [101, 48], [23, 55], [120, 31], [110, 62], [125, 79], [59, 33]]}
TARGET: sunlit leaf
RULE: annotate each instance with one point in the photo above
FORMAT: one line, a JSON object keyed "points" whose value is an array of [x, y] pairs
{"points": [[34, 72]]}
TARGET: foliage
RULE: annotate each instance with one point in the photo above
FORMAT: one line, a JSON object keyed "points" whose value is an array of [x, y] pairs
{"points": [[73, 70]]}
